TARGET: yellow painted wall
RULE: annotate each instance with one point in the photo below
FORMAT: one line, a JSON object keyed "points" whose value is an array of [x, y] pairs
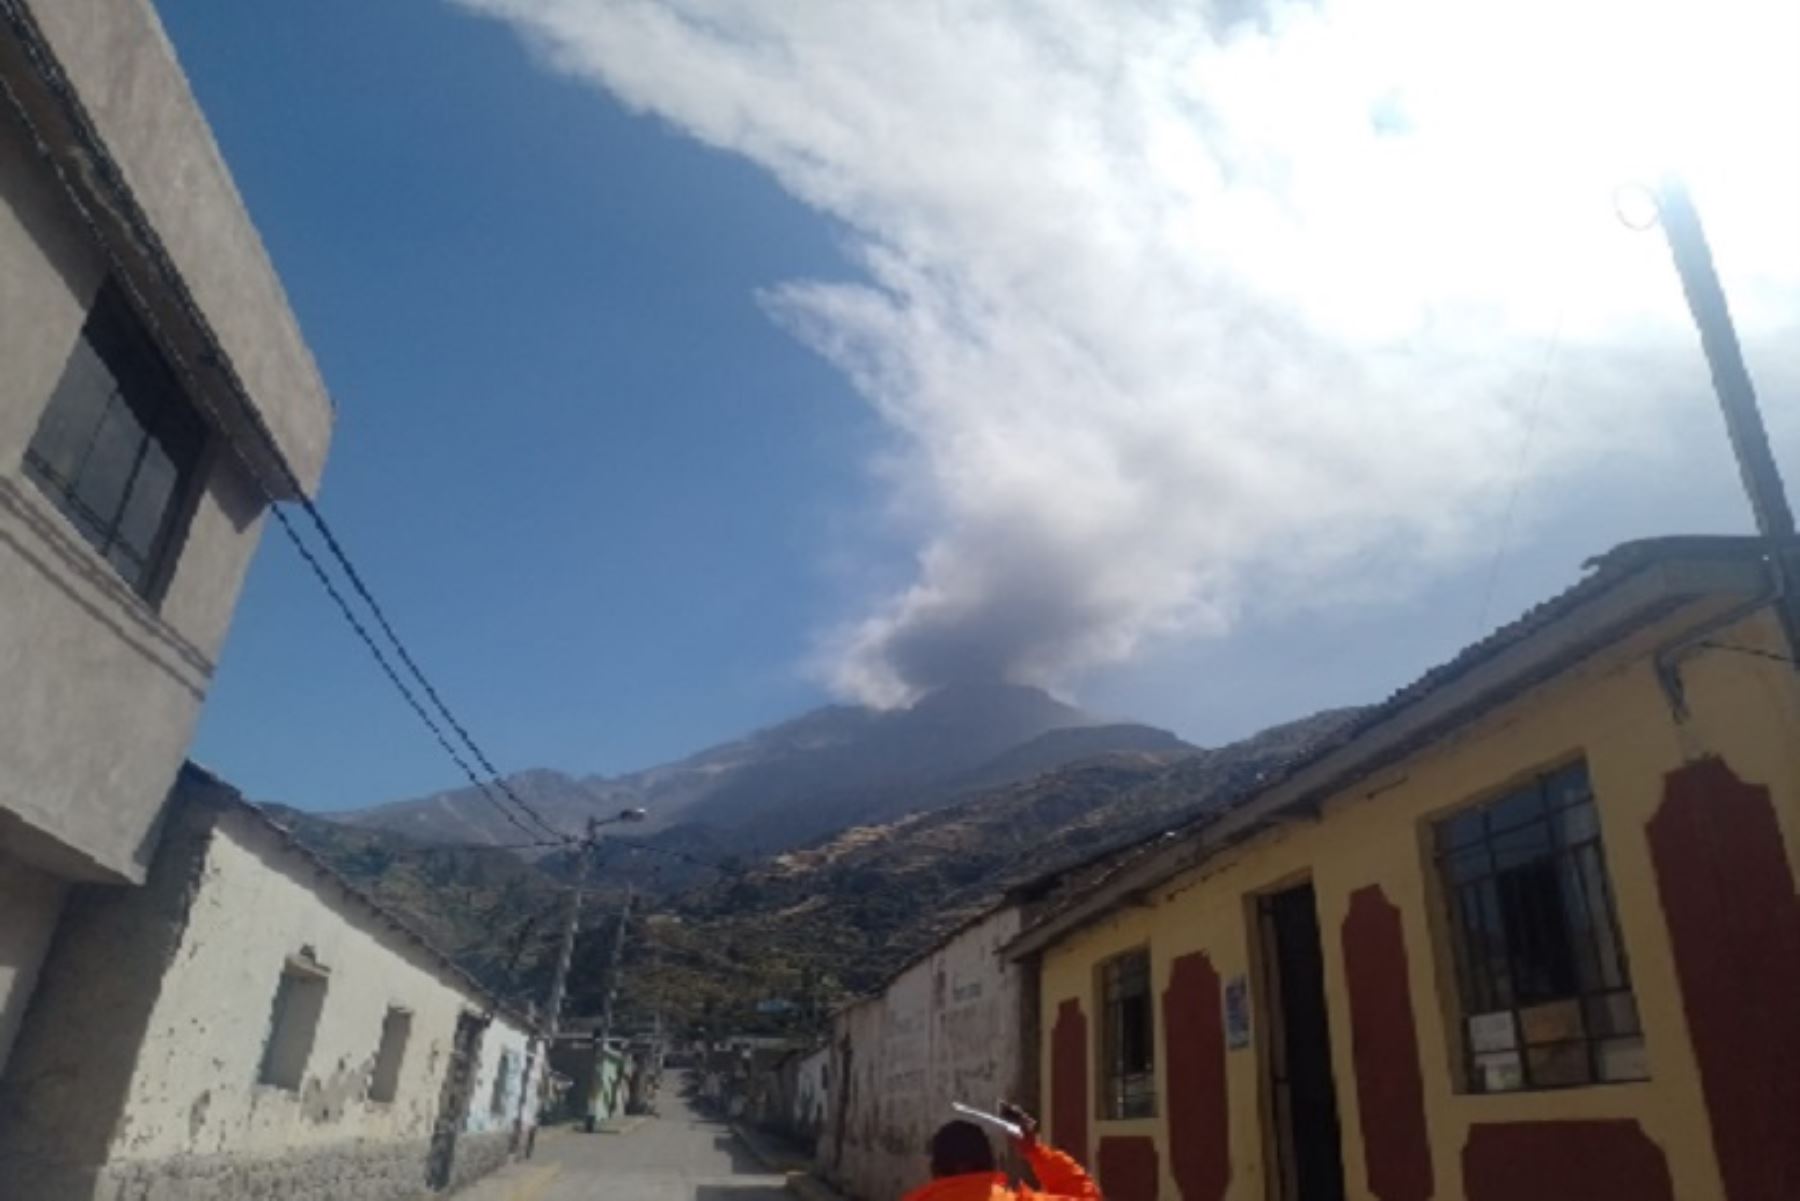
{"points": [[1609, 710]]}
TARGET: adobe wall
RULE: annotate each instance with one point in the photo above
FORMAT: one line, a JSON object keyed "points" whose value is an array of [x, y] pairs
{"points": [[945, 1029], [137, 1073]]}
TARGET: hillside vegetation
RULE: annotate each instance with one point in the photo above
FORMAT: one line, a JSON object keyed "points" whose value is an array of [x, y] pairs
{"points": [[796, 931]]}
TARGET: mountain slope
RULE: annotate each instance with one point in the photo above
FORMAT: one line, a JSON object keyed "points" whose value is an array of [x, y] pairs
{"points": [[804, 778], [829, 918], [839, 916]]}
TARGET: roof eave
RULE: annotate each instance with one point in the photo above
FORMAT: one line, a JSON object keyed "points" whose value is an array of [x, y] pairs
{"points": [[1634, 599]]}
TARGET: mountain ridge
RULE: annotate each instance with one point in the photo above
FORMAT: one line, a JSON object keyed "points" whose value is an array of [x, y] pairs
{"points": [[778, 786], [820, 921]]}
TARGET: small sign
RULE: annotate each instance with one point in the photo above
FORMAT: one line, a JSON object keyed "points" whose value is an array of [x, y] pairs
{"points": [[1237, 1013]]}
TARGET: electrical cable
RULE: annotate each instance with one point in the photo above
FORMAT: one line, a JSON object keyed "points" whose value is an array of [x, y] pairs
{"points": [[387, 668], [1552, 345], [1753, 651]]}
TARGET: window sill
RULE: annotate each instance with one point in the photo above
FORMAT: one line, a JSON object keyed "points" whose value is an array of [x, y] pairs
{"points": [[1557, 1089], [81, 571]]}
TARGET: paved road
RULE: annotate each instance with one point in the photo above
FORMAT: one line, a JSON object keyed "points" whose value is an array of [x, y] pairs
{"points": [[679, 1156]]}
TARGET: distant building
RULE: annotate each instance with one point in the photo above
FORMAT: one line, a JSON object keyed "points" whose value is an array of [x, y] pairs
{"points": [[598, 1072], [155, 394], [1528, 930], [248, 1024]]}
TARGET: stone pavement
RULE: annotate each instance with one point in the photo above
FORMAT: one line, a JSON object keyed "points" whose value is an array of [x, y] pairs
{"points": [[679, 1156]]}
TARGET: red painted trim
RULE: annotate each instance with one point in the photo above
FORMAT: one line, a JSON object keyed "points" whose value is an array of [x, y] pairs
{"points": [[1199, 1107], [1069, 1080], [1128, 1168], [1384, 1044], [1564, 1161], [1734, 926]]}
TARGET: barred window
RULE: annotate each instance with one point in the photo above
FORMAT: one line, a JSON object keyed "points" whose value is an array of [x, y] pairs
{"points": [[1545, 986], [1128, 1045], [118, 446]]}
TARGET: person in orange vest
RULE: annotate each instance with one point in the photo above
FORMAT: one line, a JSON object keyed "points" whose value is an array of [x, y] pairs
{"points": [[963, 1168]]}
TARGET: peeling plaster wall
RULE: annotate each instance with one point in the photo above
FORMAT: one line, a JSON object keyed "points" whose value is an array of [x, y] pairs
{"points": [[137, 1075], [494, 1103], [945, 1029], [195, 1090]]}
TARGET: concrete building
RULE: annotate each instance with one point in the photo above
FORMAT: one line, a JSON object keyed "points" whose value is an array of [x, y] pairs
{"points": [[156, 395], [248, 1024], [945, 1028], [598, 1072], [1528, 930]]}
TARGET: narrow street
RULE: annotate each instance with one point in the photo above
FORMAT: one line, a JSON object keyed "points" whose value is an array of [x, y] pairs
{"points": [[681, 1155]]}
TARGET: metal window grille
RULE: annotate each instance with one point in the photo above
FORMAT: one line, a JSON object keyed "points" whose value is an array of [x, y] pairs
{"points": [[1129, 1048], [119, 445], [1542, 970]]}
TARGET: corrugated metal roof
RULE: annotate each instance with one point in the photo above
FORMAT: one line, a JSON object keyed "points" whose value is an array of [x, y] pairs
{"points": [[1604, 571]]}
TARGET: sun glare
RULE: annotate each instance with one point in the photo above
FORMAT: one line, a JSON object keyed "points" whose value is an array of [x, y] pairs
{"points": [[1529, 124]]}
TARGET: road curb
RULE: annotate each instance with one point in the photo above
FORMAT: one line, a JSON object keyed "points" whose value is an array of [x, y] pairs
{"points": [[808, 1187], [800, 1180]]}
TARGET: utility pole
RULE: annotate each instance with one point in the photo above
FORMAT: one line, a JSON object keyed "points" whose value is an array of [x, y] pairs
{"points": [[612, 972], [1680, 221], [1731, 380], [565, 955], [559, 981]]}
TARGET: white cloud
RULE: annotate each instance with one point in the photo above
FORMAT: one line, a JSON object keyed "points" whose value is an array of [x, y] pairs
{"points": [[1175, 309]]}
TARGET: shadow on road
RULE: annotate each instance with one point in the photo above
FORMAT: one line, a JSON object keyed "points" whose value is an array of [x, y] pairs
{"points": [[743, 1163]]}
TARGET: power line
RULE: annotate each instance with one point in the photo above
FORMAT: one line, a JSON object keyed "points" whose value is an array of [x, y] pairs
{"points": [[387, 668], [1551, 346], [1756, 652], [126, 209], [356, 583]]}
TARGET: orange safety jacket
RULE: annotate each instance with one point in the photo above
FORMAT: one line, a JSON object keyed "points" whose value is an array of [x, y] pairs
{"points": [[1059, 1176]]}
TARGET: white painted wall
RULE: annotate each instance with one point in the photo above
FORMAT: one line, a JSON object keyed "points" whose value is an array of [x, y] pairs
{"points": [[195, 1086], [29, 903], [504, 1051], [945, 1029]]}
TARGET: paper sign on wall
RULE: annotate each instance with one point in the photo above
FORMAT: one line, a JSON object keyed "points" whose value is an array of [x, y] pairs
{"points": [[1237, 1013]]}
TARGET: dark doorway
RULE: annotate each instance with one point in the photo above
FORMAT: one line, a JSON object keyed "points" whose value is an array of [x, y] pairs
{"points": [[453, 1101], [1302, 1093]]}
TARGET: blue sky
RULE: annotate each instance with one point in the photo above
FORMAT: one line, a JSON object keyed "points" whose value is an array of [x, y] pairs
{"points": [[589, 480], [686, 379]]}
